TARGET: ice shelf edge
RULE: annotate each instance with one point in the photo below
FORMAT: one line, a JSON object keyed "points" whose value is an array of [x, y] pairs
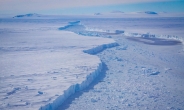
{"points": [[78, 87]]}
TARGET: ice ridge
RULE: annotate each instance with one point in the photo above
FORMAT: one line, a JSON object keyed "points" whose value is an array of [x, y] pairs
{"points": [[78, 87]]}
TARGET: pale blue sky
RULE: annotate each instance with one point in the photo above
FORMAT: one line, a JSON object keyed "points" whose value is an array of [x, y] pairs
{"points": [[88, 7]]}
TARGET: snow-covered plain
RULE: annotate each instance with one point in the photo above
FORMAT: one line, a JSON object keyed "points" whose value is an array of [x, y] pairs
{"points": [[44, 61]]}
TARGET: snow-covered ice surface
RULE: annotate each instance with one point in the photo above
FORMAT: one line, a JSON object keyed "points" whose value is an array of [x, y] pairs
{"points": [[143, 72], [41, 66], [40, 58]]}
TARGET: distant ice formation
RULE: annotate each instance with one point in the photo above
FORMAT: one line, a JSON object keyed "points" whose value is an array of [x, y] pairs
{"points": [[151, 12], [27, 15], [97, 14]]}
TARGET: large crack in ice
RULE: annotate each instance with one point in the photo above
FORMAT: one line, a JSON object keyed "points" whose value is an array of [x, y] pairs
{"points": [[80, 29], [135, 73], [78, 87], [89, 78]]}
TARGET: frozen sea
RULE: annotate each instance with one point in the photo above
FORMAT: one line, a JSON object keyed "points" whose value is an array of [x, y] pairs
{"points": [[79, 63]]}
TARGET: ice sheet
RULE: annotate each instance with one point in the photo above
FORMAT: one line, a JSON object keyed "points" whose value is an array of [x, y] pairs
{"points": [[42, 57]]}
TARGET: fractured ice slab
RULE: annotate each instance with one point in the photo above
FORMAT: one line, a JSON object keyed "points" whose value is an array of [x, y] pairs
{"points": [[40, 69]]}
